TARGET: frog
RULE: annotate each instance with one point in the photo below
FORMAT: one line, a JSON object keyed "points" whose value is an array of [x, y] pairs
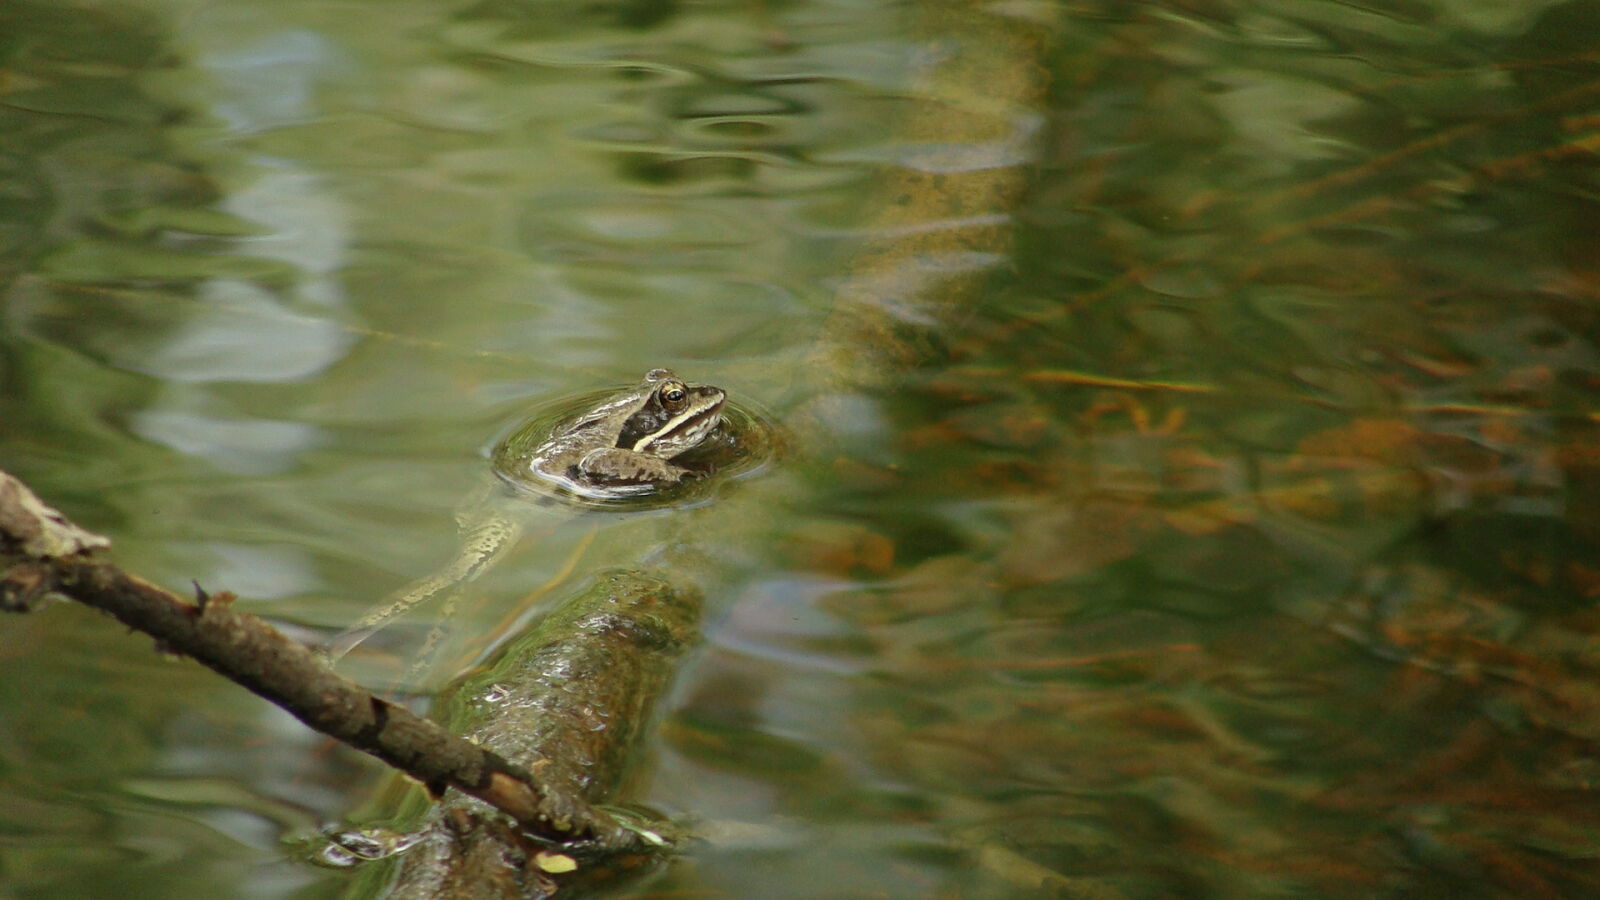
{"points": [[624, 446]]}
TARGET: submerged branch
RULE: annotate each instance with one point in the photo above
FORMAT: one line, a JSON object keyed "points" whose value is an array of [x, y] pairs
{"points": [[50, 556], [571, 697]]}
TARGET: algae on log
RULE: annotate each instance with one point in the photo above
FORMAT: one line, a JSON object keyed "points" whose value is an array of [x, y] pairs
{"points": [[568, 700]]}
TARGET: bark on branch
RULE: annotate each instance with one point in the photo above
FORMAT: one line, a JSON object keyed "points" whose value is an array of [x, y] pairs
{"points": [[47, 555]]}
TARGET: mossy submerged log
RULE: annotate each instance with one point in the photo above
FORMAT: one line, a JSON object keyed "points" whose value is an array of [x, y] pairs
{"points": [[568, 700]]}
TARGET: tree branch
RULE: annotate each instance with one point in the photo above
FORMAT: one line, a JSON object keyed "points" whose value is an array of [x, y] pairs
{"points": [[50, 556]]}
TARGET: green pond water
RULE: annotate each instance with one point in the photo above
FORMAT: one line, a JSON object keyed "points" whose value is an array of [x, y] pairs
{"points": [[1223, 521]]}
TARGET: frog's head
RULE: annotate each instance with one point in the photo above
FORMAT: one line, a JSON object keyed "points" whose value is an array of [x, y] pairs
{"points": [[672, 416]]}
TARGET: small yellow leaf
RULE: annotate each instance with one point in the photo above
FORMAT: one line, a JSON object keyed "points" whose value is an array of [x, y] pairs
{"points": [[555, 863]]}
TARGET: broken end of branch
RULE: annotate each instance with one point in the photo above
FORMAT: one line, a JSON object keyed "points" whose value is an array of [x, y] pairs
{"points": [[31, 530]]}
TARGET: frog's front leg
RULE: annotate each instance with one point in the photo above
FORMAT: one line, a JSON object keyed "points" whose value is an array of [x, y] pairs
{"points": [[616, 465]]}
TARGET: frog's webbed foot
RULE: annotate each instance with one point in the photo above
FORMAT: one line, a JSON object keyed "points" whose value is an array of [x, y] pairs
{"points": [[485, 538]]}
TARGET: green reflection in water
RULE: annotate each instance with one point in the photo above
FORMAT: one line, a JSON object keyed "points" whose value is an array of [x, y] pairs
{"points": [[1238, 543]]}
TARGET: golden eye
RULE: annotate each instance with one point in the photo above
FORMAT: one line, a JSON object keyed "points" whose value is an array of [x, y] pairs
{"points": [[674, 397]]}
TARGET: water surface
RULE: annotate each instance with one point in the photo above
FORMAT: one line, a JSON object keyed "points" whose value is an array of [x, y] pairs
{"points": [[1226, 528]]}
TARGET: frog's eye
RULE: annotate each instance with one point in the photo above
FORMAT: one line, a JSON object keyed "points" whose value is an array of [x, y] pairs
{"points": [[674, 397]]}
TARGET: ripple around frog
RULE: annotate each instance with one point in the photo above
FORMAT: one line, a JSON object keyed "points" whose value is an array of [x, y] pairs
{"points": [[744, 442]]}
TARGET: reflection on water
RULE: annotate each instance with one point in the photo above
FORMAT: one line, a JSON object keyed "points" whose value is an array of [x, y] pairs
{"points": [[1237, 539]]}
